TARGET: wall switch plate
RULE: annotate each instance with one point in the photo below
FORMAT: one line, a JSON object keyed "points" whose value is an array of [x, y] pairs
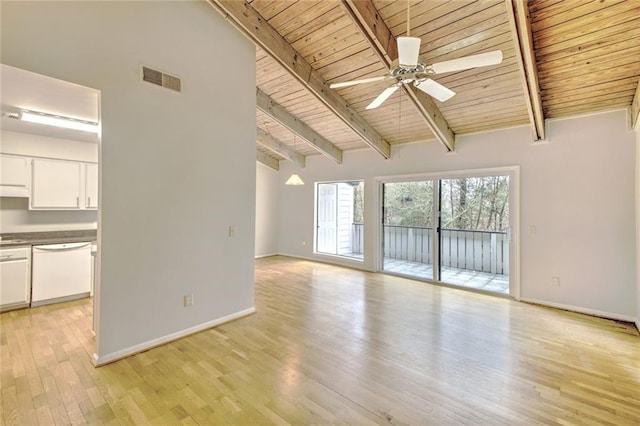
{"points": [[232, 231], [188, 300], [555, 281], [304, 243], [532, 230]]}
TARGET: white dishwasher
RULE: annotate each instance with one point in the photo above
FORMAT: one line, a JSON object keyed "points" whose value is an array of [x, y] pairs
{"points": [[60, 272]]}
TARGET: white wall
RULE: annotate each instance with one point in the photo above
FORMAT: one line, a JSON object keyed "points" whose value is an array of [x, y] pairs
{"points": [[166, 197], [638, 226], [15, 215], [267, 181], [572, 189], [32, 145]]}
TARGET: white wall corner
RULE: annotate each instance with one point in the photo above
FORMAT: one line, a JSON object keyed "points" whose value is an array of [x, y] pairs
{"points": [[132, 350], [637, 192], [579, 309]]}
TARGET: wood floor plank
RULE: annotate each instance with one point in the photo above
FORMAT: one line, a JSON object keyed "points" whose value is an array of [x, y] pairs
{"points": [[330, 345]]}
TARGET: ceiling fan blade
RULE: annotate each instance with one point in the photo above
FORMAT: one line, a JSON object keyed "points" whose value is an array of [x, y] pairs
{"points": [[473, 61], [435, 89], [383, 96], [408, 50], [354, 82]]}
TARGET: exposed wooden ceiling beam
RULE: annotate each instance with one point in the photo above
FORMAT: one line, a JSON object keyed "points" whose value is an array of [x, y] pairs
{"points": [[273, 144], [520, 24], [291, 122], [242, 15], [375, 30], [267, 160], [635, 109]]}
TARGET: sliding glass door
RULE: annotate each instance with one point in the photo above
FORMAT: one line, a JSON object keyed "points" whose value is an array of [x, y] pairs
{"points": [[450, 230]]}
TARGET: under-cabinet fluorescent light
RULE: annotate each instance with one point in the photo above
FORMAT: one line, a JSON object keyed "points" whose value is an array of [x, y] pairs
{"points": [[64, 122]]}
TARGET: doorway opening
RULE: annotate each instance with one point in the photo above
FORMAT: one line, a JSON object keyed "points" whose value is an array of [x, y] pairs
{"points": [[340, 219]]}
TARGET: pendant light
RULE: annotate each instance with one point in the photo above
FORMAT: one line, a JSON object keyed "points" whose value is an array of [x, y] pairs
{"points": [[294, 179]]}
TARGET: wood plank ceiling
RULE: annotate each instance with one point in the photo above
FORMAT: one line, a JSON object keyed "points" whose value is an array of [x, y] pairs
{"points": [[567, 57]]}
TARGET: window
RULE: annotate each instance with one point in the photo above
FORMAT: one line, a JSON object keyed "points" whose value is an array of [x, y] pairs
{"points": [[340, 218]]}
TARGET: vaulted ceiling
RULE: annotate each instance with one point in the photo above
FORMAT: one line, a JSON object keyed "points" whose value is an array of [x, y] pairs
{"points": [[560, 58]]}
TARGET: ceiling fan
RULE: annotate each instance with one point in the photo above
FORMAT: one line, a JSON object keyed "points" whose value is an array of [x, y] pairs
{"points": [[406, 69]]}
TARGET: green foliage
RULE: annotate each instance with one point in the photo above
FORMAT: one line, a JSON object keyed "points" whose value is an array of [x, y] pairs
{"points": [[358, 203], [408, 203], [469, 203], [476, 203]]}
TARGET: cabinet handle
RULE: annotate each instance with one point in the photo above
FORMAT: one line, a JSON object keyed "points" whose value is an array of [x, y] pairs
{"points": [[78, 201], [89, 201], [6, 256]]}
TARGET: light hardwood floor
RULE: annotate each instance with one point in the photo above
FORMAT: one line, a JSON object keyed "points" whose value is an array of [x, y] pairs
{"points": [[333, 345]]}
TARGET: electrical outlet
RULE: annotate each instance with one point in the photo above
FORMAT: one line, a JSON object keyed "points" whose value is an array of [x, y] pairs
{"points": [[555, 281], [232, 231], [188, 300]]}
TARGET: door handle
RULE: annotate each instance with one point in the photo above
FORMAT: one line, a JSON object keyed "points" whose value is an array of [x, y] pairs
{"points": [[45, 248]]}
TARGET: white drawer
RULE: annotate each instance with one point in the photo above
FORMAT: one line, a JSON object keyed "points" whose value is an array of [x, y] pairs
{"points": [[15, 253]]}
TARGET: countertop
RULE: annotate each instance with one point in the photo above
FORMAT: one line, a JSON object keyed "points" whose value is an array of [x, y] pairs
{"points": [[17, 239]]}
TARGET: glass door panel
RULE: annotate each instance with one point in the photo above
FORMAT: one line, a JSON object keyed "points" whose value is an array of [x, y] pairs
{"points": [[407, 224], [474, 223]]}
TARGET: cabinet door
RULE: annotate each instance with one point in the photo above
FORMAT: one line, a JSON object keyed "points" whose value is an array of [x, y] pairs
{"points": [[13, 171], [55, 184], [91, 185], [16, 285]]}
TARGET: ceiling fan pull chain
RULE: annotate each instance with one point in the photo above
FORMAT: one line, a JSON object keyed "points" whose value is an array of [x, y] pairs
{"points": [[400, 112]]}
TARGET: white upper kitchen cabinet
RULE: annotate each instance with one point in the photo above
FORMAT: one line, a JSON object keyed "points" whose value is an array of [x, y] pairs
{"points": [[91, 186], [55, 184], [13, 176]]}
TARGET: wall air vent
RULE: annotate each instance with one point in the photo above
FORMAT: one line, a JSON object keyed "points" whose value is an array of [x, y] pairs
{"points": [[161, 79]]}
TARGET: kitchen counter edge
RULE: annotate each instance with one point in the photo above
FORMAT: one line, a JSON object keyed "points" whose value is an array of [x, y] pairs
{"points": [[42, 238]]}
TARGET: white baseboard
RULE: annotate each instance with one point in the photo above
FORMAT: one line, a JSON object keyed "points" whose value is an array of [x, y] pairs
{"points": [[123, 353], [259, 256], [581, 310], [335, 260]]}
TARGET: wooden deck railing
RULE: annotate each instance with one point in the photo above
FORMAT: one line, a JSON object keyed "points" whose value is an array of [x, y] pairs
{"points": [[485, 251]]}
